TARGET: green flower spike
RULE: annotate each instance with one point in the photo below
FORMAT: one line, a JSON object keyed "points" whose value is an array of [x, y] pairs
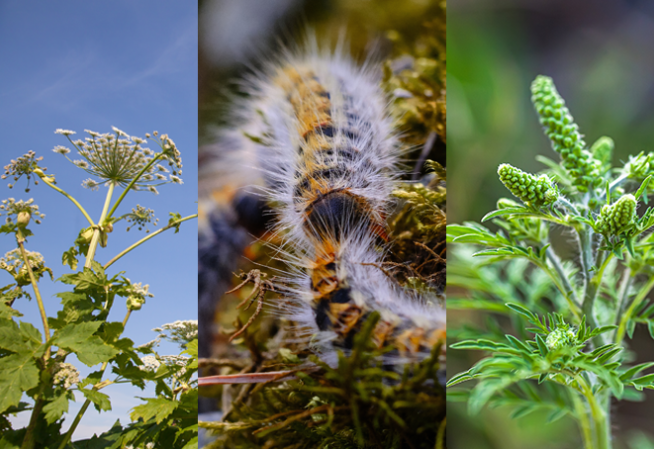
{"points": [[619, 217], [560, 127], [536, 191]]}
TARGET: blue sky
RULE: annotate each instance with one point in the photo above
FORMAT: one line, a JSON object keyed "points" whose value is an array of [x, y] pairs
{"points": [[92, 65]]}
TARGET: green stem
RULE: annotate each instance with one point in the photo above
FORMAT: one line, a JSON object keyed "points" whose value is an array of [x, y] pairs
{"points": [[29, 440], [131, 184], [558, 267], [148, 237], [642, 294], [79, 206], [623, 294], [591, 287], [37, 293], [87, 403], [584, 423], [599, 416], [96, 232]]}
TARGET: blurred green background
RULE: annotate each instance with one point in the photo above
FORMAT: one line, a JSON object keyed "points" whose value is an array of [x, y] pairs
{"points": [[601, 57]]}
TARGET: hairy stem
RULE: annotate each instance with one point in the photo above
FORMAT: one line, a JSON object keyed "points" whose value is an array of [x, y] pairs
{"points": [[148, 237], [87, 403], [96, 232], [558, 267]]}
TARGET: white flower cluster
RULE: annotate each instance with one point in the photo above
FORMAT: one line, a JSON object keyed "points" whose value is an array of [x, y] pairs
{"points": [[120, 158], [20, 209], [150, 363], [66, 375], [180, 332], [14, 259]]}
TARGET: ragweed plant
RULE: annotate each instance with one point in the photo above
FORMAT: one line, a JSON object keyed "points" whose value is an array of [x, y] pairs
{"points": [[568, 352], [33, 362]]}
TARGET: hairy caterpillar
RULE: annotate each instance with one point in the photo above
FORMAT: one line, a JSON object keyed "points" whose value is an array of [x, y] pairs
{"points": [[316, 129]]}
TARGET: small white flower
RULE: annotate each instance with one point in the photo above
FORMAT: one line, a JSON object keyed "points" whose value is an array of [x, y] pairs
{"points": [[81, 164], [65, 132], [176, 179], [119, 132], [61, 149], [153, 189], [90, 184]]}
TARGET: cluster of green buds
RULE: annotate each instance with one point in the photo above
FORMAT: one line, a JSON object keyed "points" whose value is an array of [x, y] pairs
{"points": [[618, 217], [538, 191], [564, 134], [564, 336], [122, 159]]}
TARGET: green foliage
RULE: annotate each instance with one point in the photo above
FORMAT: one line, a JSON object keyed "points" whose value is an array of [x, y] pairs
{"points": [[564, 351], [357, 404], [33, 362]]}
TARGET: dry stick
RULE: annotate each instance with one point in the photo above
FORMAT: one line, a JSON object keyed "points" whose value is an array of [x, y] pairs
{"points": [[262, 287], [297, 417]]}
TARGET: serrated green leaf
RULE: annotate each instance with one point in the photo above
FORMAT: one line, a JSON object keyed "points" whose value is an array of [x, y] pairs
{"points": [[56, 408], [100, 400], [159, 408], [18, 373], [79, 338]]}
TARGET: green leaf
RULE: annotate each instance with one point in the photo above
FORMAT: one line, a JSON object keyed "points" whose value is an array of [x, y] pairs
{"points": [[522, 311], [542, 347], [79, 338], [159, 408], [18, 373], [56, 408], [100, 400], [631, 372], [643, 188]]}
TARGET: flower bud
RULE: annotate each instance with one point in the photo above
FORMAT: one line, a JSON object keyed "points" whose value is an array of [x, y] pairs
{"points": [[135, 302], [23, 218], [618, 217], [536, 191], [564, 134], [561, 337]]}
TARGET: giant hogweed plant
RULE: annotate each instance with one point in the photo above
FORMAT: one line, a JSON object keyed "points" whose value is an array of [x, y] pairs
{"points": [[573, 313], [35, 359]]}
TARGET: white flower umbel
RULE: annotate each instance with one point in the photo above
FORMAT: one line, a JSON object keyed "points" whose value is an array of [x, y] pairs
{"points": [[120, 159], [66, 376]]}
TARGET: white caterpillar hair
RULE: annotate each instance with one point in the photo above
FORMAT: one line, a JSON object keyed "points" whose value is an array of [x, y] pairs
{"points": [[316, 129]]}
